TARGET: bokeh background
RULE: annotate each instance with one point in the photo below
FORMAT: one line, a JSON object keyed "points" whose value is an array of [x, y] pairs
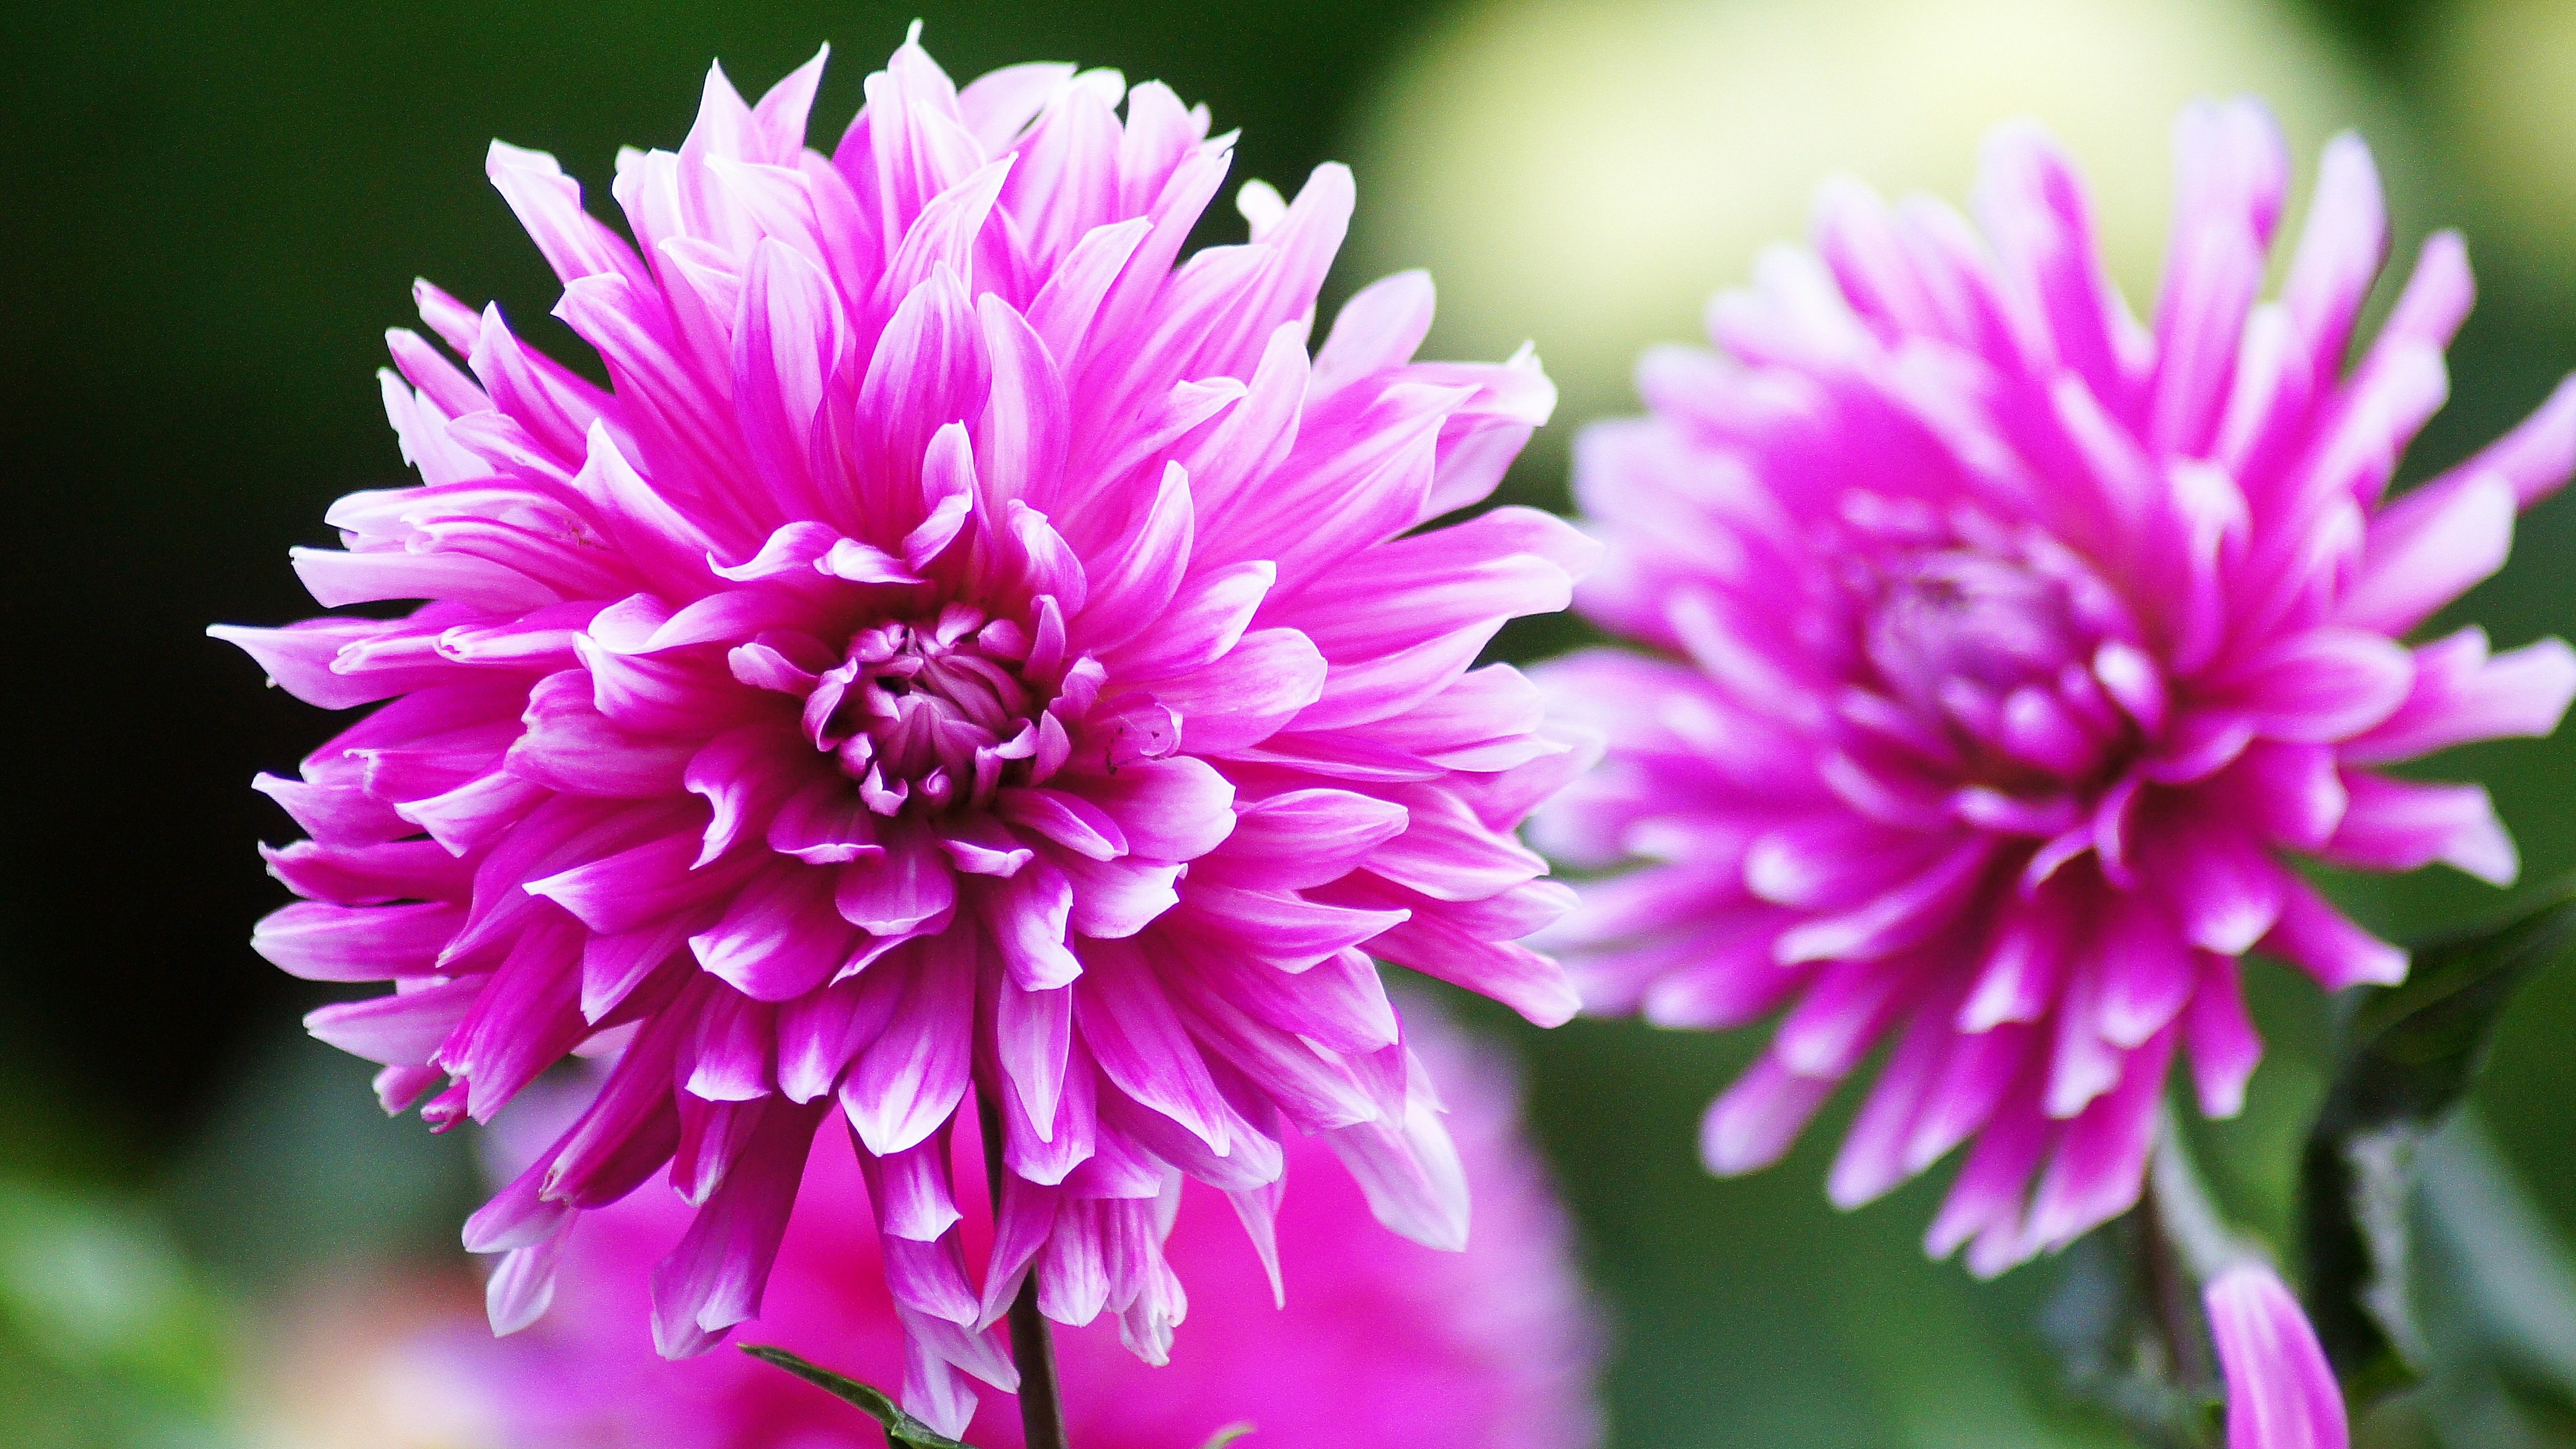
{"points": [[211, 213]]}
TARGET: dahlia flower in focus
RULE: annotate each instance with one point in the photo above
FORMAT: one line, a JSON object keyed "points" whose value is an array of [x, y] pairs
{"points": [[1379, 1342], [2280, 1392], [2007, 654], [960, 646]]}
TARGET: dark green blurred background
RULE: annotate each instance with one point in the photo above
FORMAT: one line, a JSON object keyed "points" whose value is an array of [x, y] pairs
{"points": [[212, 213]]}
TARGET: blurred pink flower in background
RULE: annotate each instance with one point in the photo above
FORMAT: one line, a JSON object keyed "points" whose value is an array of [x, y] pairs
{"points": [[2006, 652], [962, 645], [2280, 1392], [1380, 1342]]}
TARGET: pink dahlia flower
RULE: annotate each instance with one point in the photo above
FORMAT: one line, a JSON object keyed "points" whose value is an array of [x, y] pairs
{"points": [[960, 646], [1378, 1342], [2006, 655], [2280, 1392]]}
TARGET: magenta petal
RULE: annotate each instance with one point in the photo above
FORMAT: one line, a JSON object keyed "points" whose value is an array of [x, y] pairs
{"points": [[2280, 1392]]}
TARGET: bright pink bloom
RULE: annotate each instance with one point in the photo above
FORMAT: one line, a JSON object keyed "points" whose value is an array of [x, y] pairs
{"points": [[2012, 650], [1378, 1342], [962, 645], [2281, 1394]]}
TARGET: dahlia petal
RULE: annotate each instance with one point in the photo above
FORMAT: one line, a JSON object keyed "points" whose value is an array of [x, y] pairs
{"points": [[2024, 966], [355, 943], [1410, 1169], [1205, 622], [548, 204], [1871, 1161], [2101, 1160], [913, 1076], [570, 746], [1118, 898], [1512, 974], [1022, 1225], [2281, 1393], [1309, 1088], [1251, 1158], [523, 1286], [1302, 838], [1245, 696], [1753, 1123], [405, 1029], [1136, 589], [2340, 252], [929, 366], [824, 823], [298, 659], [2147, 973], [2402, 825], [1027, 917], [2460, 694], [715, 1277], [780, 938], [2323, 685], [335, 815], [894, 893], [2427, 550], [634, 887], [1169, 809], [822, 1032], [400, 1087], [2223, 888], [1977, 1075], [1378, 328], [929, 1278], [730, 1056], [2291, 794], [616, 965], [1702, 979], [2219, 1035], [1986, 1197], [1069, 820], [743, 780], [1127, 1021], [2318, 939]]}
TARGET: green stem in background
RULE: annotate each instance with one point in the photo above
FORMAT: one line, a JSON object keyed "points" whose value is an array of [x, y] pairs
{"points": [[2183, 1205], [1032, 1340], [2182, 1243]]}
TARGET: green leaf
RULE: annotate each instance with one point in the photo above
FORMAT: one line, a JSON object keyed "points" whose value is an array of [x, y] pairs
{"points": [[1227, 1435], [2406, 1057], [900, 1428]]}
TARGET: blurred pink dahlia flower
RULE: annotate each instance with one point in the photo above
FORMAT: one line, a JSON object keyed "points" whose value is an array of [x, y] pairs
{"points": [[2281, 1394], [1379, 1342], [961, 646], [2005, 654]]}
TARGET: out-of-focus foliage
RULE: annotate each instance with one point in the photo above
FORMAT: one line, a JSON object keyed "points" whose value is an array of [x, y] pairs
{"points": [[106, 1336]]}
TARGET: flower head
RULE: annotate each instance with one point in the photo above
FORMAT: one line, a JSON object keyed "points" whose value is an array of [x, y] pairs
{"points": [[960, 646], [2281, 1393], [2010, 653], [1375, 1342]]}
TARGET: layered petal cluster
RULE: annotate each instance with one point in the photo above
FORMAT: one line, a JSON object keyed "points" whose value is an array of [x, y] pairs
{"points": [[2281, 1393], [2003, 655], [1379, 1342], [960, 646]]}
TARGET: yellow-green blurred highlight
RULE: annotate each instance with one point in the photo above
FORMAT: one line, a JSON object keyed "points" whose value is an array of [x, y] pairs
{"points": [[1586, 175]]}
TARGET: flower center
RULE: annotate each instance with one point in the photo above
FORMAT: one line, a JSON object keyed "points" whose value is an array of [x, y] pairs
{"points": [[1961, 615], [935, 714]]}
